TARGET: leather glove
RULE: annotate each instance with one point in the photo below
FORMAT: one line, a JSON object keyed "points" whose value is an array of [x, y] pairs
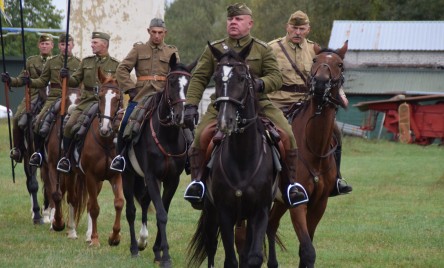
{"points": [[191, 116], [6, 78], [26, 80], [132, 92], [64, 73], [258, 85]]}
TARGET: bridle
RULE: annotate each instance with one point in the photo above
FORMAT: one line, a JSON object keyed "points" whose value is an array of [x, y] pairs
{"points": [[113, 117], [241, 123], [166, 100]]}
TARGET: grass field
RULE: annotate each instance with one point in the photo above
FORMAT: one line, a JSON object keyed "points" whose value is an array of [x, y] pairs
{"points": [[393, 218]]}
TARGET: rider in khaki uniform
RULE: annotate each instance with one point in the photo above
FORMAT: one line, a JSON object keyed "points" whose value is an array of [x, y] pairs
{"points": [[151, 63], [34, 67], [50, 75], [301, 52], [87, 74], [263, 65]]}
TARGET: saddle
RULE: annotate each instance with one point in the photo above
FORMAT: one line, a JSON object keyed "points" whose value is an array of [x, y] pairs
{"points": [[48, 119], [36, 106], [141, 112]]}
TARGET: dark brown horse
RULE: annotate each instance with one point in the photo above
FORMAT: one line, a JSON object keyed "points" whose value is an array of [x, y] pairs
{"points": [[157, 159], [54, 183], [93, 163], [241, 176], [313, 126]]}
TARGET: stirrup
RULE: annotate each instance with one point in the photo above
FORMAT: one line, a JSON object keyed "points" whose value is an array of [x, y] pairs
{"points": [[11, 155], [36, 154], [117, 158], [299, 187], [194, 198], [60, 168], [338, 190]]}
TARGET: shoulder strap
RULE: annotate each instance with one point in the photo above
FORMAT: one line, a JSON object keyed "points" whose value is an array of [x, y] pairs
{"points": [[292, 63]]}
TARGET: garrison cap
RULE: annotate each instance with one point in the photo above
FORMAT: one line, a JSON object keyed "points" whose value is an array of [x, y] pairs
{"points": [[238, 9], [157, 22], [298, 18], [62, 38], [100, 35], [45, 37]]}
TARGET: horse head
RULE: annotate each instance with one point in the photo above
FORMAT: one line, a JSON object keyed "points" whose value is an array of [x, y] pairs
{"points": [[110, 101], [175, 91], [73, 98], [326, 76], [234, 90]]}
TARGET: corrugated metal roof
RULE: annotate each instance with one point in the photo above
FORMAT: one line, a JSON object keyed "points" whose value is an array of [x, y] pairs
{"points": [[388, 35], [370, 81]]}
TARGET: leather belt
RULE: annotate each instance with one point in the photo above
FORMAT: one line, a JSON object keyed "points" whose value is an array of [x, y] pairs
{"points": [[151, 78], [295, 88], [95, 89]]}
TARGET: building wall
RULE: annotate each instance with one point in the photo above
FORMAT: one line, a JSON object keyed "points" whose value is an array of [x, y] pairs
{"points": [[125, 21], [425, 58]]}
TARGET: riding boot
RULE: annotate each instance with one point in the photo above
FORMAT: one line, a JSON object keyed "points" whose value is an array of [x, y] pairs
{"points": [[119, 162], [64, 165], [195, 191], [37, 157], [18, 136], [341, 186], [295, 193]]}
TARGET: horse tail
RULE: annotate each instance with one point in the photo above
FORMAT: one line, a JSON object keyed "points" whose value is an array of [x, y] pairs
{"points": [[197, 249], [80, 197]]}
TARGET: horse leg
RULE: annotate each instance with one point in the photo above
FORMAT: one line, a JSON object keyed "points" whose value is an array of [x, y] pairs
{"points": [[142, 242], [33, 186], [307, 252], [128, 191], [70, 198], [58, 223], [211, 228], [257, 226], [116, 185], [93, 207], [276, 213], [227, 233], [46, 211]]}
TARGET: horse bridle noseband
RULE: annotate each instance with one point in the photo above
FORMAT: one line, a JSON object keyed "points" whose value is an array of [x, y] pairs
{"points": [[245, 122]]}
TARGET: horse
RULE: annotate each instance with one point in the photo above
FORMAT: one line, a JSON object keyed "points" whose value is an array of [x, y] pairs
{"points": [[54, 184], [242, 173], [158, 158], [97, 151], [313, 125]]}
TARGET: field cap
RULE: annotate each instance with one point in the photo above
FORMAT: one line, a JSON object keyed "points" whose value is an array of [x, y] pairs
{"points": [[298, 18], [62, 38], [45, 37], [238, 9], [157, 22], [100, 35]]}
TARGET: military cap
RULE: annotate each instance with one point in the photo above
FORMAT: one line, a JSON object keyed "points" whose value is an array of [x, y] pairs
{"points": [[298, 18], [100, 35], [157, 22], [62, 38], [45, 37], [238, 9]]}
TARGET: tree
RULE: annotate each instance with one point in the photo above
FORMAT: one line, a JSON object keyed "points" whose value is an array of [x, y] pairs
{"points": [[36, 14]]}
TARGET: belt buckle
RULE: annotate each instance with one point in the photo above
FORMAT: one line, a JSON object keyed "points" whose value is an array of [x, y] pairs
{"points": [[155, 77], [96, 89]]}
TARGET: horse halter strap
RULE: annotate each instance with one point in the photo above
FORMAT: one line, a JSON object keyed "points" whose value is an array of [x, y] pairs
{"points": [[239, 103]]}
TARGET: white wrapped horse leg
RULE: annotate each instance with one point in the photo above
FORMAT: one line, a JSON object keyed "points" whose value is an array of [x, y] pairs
{"points": [[72, 233], [89, 231], [46, 214], [142, 242]]}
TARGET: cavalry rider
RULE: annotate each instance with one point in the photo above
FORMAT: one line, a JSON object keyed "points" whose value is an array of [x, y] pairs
{"points": [[86, 73], [263, 65], [295, 54], [50, 75], [34, 67], [150, 61]]}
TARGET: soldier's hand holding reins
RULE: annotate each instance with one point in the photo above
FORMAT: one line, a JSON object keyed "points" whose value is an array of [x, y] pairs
{"points": [[191, 116], [6, 78]]}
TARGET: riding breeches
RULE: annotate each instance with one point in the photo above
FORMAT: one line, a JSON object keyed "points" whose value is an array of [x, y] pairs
{"points": [[268, 109], [86, 99]]}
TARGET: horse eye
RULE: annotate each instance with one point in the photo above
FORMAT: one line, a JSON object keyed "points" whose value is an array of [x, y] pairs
{"points": [[340, 65], [314, 60]]}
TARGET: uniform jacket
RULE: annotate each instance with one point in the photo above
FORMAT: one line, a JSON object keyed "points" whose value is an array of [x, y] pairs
{"points": [[261, 60], [51, 71], [34, 66]]}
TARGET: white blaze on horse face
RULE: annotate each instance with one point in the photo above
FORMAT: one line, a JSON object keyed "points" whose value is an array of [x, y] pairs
{"points": [[108, 97], [72, 100], [183, 81], [226, 70]]}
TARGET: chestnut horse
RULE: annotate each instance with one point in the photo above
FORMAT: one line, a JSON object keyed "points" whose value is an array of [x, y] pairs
{"points": [[156, 160], [241, 176], [313, 126], [54, 183], [93, 163]]}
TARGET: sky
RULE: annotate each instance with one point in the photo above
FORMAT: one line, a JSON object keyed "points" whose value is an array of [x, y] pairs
{"points": [[61, 5]]}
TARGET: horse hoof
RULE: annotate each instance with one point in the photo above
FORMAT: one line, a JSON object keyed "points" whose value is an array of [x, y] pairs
{"points": [[165, 264], [94, 244], [58, 228], [113, 242], [38, 221], [142, 245]]}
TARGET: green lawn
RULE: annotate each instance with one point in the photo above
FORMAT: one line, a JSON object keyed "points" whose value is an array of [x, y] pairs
{"points": [[393, 218]]}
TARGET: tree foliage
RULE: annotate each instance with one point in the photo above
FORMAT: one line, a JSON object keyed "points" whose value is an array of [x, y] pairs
{"points": [[40, 14], [191, 23]]}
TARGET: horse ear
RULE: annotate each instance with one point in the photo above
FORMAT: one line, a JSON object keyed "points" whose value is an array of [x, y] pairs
{"points": [[192, 65], [216, 53], [317, 48], [173, 61], [246, 50], [341, 52], [101, 75]]}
